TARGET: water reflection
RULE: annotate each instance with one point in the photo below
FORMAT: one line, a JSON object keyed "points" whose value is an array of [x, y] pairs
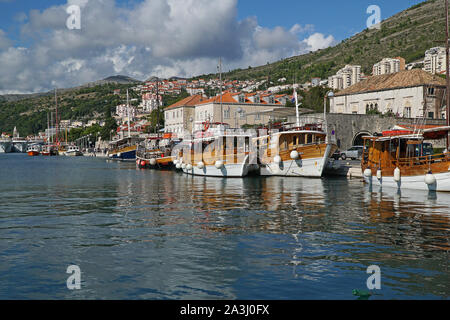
{"points": [[141, 234]]}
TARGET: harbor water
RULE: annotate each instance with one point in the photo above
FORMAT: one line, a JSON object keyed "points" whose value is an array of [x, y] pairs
{"points": [[143, 234]]}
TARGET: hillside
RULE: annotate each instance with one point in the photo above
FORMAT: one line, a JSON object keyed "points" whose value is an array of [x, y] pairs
{"points": [[29, 114], [407, 34]]}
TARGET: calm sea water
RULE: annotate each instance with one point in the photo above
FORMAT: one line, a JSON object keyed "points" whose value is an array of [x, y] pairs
{"points": [[141, 234]]}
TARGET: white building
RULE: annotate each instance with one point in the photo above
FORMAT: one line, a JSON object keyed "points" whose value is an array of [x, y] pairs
{"points": [[386, 66], [150, 102], [409, 94], [346, 77], [434, 61], [122, 112], [237, 109], [180, 117]]}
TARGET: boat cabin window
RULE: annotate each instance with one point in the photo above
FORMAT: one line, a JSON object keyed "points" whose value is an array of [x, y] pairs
{"points": [[295, 140], [309, 138]]}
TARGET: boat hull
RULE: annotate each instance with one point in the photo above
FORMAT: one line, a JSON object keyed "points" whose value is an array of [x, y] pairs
{"points": [[312, 167], [124, 156], [416, 182], [33, 153], [19, 147], [5, 147], [232, 170], [73, 154]]}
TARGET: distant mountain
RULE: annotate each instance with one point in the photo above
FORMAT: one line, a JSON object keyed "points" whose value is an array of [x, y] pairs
{"points": [[113, 80]]}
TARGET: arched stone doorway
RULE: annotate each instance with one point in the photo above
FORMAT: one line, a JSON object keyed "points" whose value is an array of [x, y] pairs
{"points": [[358, 139]]}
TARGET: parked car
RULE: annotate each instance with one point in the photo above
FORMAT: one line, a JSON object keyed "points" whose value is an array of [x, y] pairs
{"points": [[336, 155], [353, 153]]}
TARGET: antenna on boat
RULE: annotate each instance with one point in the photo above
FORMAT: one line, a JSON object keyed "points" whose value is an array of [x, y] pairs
{"points": [[128, 113]]}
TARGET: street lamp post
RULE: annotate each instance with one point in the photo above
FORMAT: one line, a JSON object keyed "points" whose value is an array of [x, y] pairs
{"points": [[239, 110], [329, 95]]}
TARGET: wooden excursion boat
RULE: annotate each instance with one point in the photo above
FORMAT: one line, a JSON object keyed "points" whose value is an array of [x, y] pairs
{"points": [[295, 152], [124, 149], [217, 151], [156, 152], [406, 161]]}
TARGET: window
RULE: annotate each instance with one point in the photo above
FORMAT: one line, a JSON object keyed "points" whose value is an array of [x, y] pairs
{"points": [[243, 114], [258, 116], [431, 115], [431, 91], [407, 112], [226, 113], [295, 140]]}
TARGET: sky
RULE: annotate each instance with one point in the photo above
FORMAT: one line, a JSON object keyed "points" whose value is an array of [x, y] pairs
{"points": [[144, 38]]}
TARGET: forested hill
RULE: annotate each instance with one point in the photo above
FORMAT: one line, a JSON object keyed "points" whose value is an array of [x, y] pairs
{"points": [[407, 34]]}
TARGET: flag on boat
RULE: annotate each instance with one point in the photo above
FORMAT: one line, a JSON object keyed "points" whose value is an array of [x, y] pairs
{"points": [[295, 97]]}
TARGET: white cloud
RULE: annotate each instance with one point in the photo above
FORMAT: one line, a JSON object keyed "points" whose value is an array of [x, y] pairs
{"points": [[318, 41], [4, 41], [153, 37]]}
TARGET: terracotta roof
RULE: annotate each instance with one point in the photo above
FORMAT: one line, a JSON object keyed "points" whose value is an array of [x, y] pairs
{"points": [[191, 101], [402, 79], [226, 98]]}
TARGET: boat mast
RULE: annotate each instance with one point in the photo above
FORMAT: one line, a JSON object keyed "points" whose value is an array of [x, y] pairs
{"points": [[221, 92], [128, 113], [296, 103], [56, 120], [48, 129], [447, 69]]}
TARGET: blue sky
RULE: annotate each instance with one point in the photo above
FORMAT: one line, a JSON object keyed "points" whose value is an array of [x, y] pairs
{"points": [[340, 18], [142, 38]]}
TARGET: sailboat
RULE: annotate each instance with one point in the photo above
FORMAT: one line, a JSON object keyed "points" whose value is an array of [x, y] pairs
{"points": [[125, 149]]}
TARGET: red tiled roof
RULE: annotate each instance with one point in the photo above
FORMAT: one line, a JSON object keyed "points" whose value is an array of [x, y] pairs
{"points": [[402, 79], [187, 102]]}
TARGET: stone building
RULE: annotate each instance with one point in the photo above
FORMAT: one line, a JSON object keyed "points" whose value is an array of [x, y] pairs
{"points": [[408, 94]]}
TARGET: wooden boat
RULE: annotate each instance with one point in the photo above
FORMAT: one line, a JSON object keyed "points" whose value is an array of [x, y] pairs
{"points": [[217, 152], [406, 161], [295, 152], [34, 150], [124, 149], [156, 152]]}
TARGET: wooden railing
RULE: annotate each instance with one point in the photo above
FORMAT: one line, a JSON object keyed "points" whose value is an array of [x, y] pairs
{"points": [[409, 162]]}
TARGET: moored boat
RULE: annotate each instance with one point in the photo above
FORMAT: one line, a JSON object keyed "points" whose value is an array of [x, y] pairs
{"points": [[73, 151], [218, 152], [407, 161], [34, 150], [156, 152], [295, 152], [124, 149], [49, 150]]}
